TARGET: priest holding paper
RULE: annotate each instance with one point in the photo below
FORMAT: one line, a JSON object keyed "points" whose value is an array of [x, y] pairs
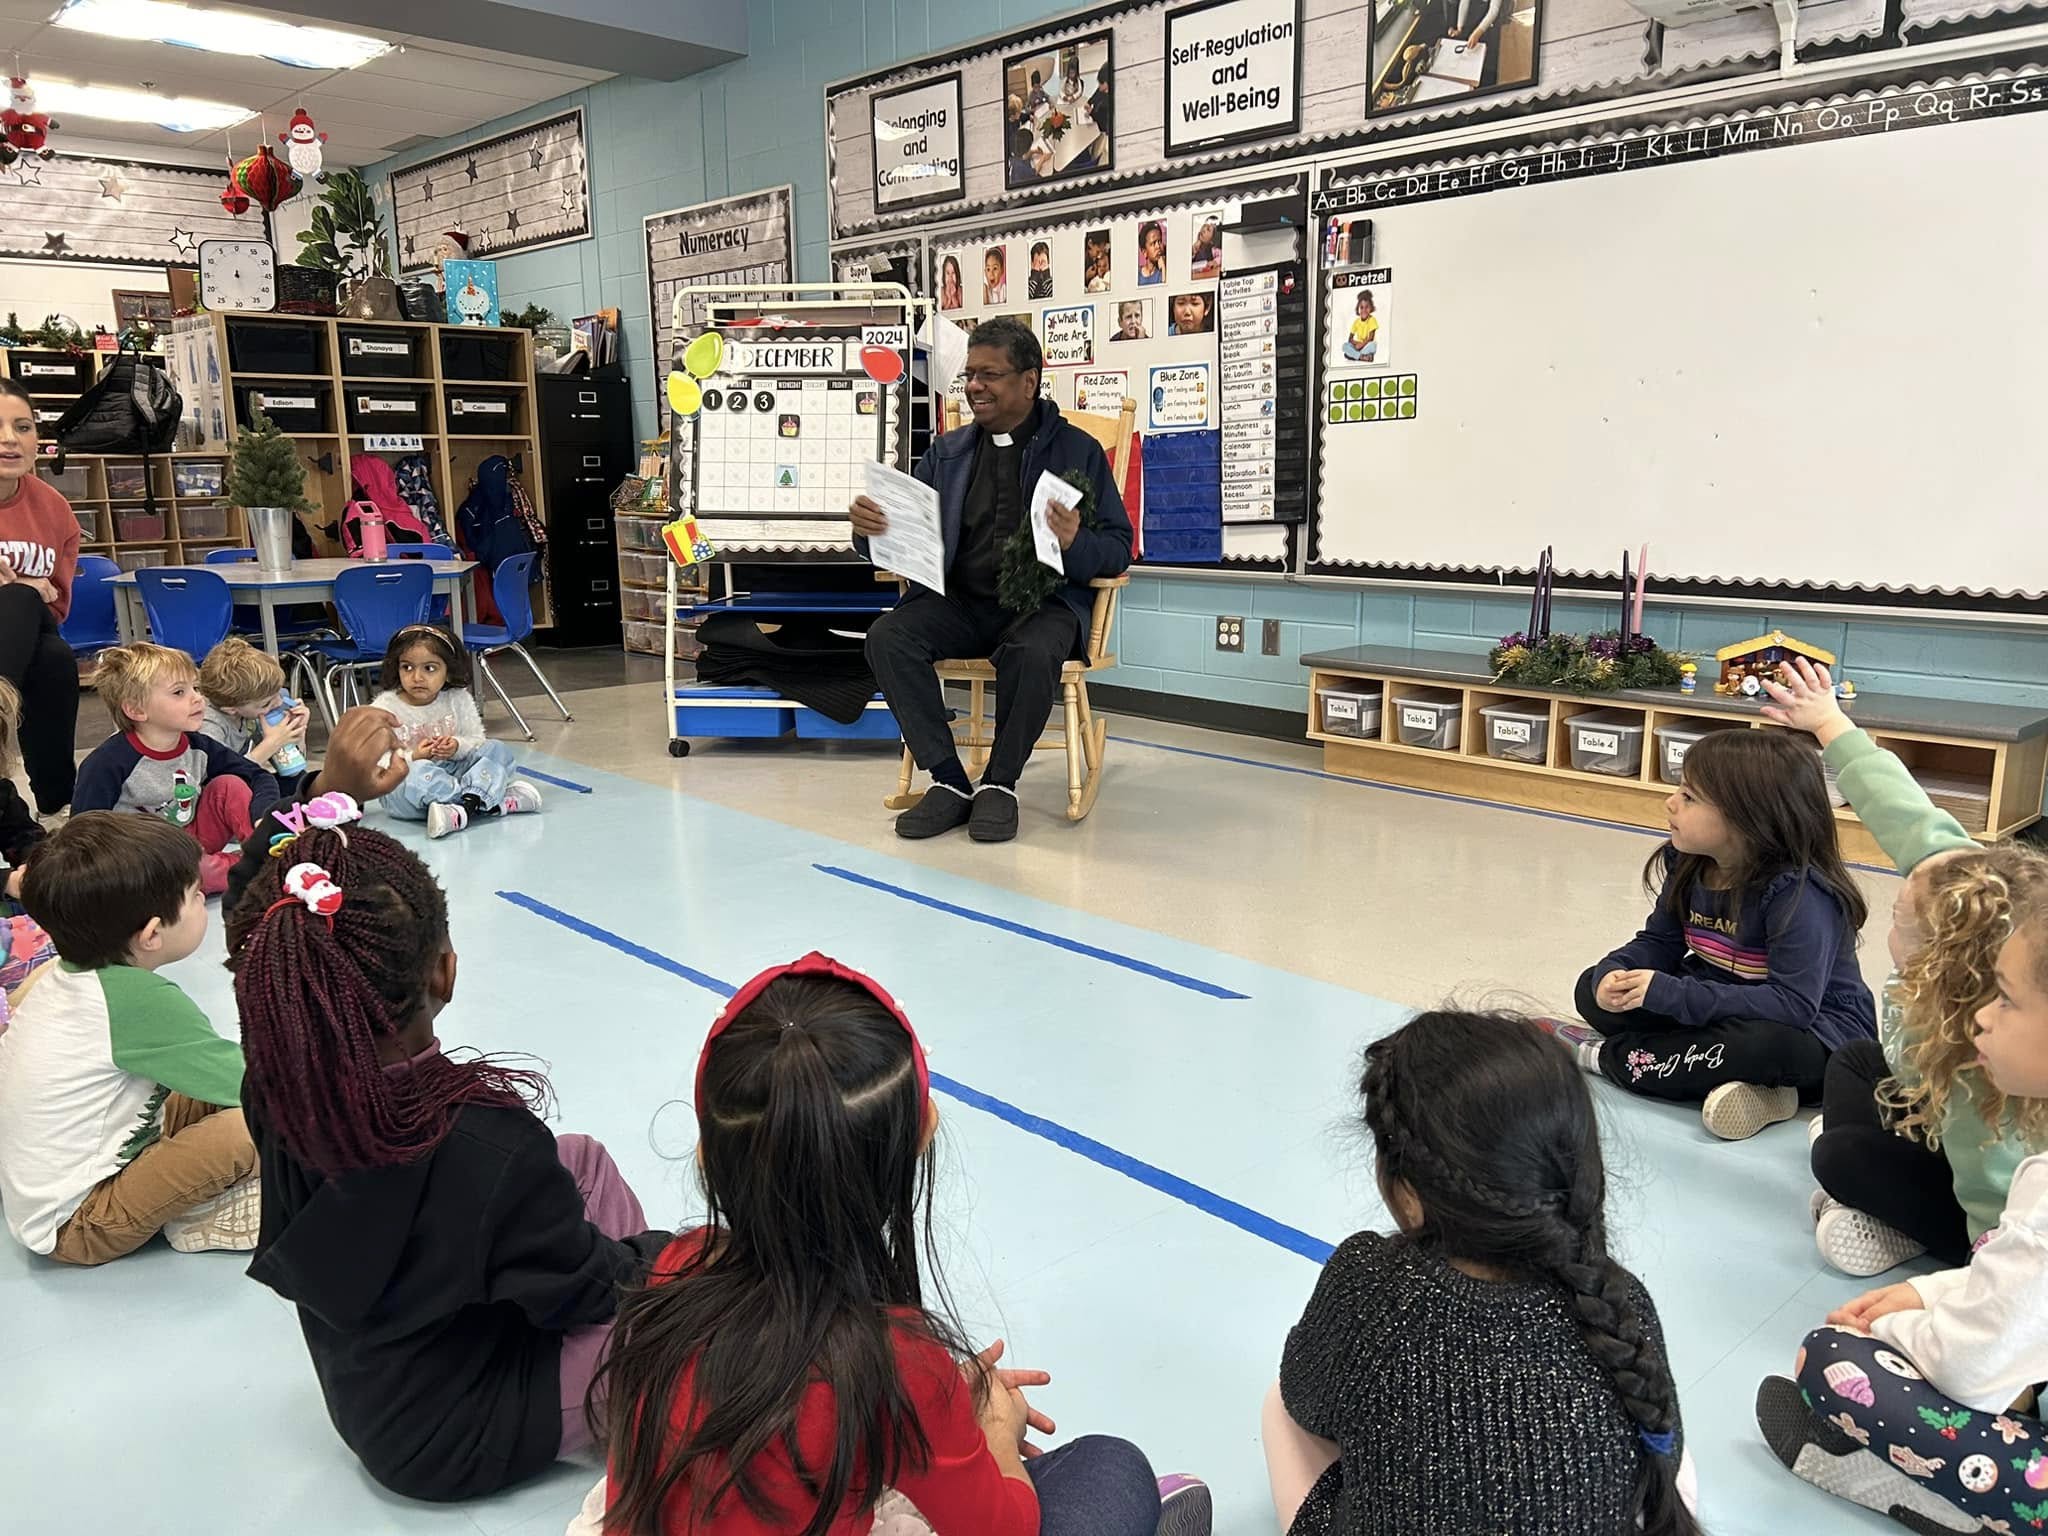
{"points": [[1028, 515]]}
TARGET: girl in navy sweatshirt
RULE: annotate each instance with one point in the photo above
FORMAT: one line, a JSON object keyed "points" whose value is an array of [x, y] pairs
{"points": [[1744, 979]]}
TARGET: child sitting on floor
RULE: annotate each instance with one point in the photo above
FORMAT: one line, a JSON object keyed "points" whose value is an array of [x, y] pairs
{"points": [[158, 763], [784, 1371], [457, 772], [1490, 1367], [1745, 977], [1919, 1400], [455, 1265], [1912, 1148], [118, 1102], [243, 684]]}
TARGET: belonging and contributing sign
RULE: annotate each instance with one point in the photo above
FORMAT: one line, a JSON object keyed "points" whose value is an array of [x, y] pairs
{"points": [[1233, 73], [744, 240], [917, 145]]}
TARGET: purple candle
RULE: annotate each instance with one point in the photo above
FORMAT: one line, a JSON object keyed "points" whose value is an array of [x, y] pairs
{"points": [[1624, 596]]}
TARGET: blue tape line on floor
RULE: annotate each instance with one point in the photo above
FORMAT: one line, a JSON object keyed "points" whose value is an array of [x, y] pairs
{"points": [[1243, 1217], [1430, 794], [1073, 946], [532, 772]]}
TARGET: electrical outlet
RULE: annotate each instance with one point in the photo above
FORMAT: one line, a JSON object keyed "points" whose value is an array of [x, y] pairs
{"points": [[1229, 634], [1269, 638]]}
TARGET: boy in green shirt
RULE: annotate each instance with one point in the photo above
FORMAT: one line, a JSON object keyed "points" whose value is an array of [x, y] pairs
{"points": [[119, 1105]]}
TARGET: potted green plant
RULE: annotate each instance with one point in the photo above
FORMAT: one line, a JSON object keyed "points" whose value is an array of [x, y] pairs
{"points": [[267, 481], [346, 242]]}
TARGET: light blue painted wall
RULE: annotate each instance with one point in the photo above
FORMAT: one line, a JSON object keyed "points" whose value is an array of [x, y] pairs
{"points": [[760, 122]]}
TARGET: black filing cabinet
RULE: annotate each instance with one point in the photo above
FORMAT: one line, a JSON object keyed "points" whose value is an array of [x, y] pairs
{"points": [[586, 449]]}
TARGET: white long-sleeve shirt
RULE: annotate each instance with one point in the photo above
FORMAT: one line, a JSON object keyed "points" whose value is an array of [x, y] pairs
{"points": [[1982, 1337], [453, 713]]}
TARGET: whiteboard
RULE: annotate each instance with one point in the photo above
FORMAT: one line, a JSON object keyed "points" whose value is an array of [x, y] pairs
{"points": [[1813, 364]]}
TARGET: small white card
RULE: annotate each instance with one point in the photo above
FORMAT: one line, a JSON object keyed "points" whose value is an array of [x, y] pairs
{"points": [[1050, 488]]}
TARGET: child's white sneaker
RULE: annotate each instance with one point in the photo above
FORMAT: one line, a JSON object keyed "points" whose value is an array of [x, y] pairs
{"points": [[228, 1222], [1185, 1506], [520, 796], [1737, 1111], [443, 819], [1857, 1243]]}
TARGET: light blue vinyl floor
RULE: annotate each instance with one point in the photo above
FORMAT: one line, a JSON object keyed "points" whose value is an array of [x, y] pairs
{"points": [[1135, 1170]]}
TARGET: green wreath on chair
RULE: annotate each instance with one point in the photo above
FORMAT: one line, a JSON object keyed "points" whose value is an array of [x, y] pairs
{"points": [[1023, 581]]}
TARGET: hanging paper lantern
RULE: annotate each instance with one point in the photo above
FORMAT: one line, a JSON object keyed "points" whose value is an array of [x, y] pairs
{"points": [[234, 199], [267, 179]]}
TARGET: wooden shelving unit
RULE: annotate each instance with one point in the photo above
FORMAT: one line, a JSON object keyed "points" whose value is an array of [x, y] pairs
{"points": [[643, 567], [470, 390], [1987, 763], [106, 490]]}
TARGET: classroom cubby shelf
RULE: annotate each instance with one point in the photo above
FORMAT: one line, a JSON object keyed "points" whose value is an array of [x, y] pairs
{"points": [[1968, 754]]}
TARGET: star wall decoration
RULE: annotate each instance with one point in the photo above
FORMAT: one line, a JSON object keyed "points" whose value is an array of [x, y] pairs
{"points": [[430, 189], [112, 187], [512, 222], [470, 169], [537, 155], [29, 173], [182, 241], [53, 245]]}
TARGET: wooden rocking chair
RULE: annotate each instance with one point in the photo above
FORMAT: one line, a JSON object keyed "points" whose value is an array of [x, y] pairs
{"points": [[1082, 734]]}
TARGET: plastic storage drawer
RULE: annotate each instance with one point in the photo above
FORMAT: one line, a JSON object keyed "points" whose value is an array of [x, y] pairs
{"points": [[637, 569], [476, 413], [1673, 742], [198, 477], [875, 724], [640, 533], [1607, 743], [88, 526], [1351, 712], [135, 559], [642, 606], [733, 712], [138, 526], [267, 347], [126, 482], [202, 522], [1518, 731], [73, 485], [290, 408], [383, 408], [1429, 720], [376, 354]]}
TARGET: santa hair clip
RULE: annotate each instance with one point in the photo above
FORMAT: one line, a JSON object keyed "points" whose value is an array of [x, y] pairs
{"points": [[311, 884]]}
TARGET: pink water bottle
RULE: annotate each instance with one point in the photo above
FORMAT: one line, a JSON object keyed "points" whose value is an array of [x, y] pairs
{"points": [[371, 526]]}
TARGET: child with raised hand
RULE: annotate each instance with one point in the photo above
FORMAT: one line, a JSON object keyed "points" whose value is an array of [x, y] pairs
{"points": [[158, 763], [118, 1102], [790, 1368], [1489, 1365], [457, 772], [1919, 1400], [1744, 979], [242, 685], [456, 1267], [1912, 1149]]}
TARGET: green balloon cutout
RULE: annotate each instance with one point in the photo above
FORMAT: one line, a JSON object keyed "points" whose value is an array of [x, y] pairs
{"points": [[702, 356], [685, 398]]}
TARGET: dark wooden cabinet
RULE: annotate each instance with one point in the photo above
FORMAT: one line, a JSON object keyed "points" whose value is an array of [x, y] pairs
{"points": [[586, 449]]}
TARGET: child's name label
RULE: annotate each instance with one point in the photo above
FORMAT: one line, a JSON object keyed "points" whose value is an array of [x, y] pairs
{"points": [[47, 370], [288, 402], [1511, 730], [1606, 743], [370, 406], [1335, 708], [1422, 719], [358, 347], [482, 407]]}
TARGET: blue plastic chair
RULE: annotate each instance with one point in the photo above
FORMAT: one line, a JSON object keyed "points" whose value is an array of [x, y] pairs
{"points": [[511, 586], [375, 603], [231, 556], [295, 626], [188, 610], [428, 552], [92, 625]]}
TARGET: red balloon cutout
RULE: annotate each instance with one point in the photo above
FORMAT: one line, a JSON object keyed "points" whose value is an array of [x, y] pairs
{"points": [[883, 364]]}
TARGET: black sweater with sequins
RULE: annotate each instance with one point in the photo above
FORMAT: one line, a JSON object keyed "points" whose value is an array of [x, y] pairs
{"points": [[1462, 1407]]}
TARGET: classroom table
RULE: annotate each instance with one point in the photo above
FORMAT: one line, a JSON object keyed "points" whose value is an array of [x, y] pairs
{"points": [[308, 581]]}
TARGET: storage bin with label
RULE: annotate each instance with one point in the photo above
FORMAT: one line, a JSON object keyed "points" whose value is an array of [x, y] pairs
{"points": [[475, 413], [375, 409], [74, 484], [135, 524], [88, 526], [641, 605], [291, 407], [265, 346], [1353, 711], [51, 373], [202, 522], [1518, 730], [642, 570], [126, 482], [1429, 720], [1673, 742], [135, 559], [368, 353], [1608, 742], [640, 533], [198, 477]]}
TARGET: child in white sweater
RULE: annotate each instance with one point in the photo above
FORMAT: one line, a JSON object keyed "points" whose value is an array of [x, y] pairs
{"points": [[456, 771], [1918, 1400]]}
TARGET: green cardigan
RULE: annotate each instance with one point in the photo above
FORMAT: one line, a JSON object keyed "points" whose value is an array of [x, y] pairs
{"points": [[1910, 828]]}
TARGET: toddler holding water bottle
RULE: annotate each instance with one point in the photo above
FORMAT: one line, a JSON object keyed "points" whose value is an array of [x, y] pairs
{"points": [[248, 711]]}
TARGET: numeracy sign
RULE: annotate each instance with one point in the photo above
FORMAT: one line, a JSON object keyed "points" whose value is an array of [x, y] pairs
{"points": [[1233, 72]]}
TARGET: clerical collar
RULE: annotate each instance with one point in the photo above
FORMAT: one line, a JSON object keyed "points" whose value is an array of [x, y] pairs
{"points": [[1000, 439]]}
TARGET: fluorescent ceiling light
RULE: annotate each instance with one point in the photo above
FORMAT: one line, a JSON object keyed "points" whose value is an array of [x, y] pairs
{"points": [[180, 114], [162, 21]]}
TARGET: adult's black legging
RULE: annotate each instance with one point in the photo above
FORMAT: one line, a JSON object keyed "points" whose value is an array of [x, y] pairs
{"points": [[35, 658]]}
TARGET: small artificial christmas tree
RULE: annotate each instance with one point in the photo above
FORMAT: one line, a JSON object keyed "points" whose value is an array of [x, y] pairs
{"points": [[265, 470]]}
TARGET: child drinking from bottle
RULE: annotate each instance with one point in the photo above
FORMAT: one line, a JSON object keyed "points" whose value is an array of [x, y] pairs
{"points": [[456, 772], [248, 711]]}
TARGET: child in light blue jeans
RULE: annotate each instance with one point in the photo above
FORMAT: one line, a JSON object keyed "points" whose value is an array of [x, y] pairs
{"points": [[457, 772]]}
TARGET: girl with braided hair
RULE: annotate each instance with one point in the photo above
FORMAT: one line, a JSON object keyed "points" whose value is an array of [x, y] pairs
{"points": [[1489, 1367], [456, 1267]]}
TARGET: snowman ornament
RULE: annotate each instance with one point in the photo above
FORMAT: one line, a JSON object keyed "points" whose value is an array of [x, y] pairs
{"points": [[302, 149]]}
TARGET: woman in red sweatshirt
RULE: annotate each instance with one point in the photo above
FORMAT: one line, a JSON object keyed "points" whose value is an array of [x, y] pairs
{"points": [[38, 559]]}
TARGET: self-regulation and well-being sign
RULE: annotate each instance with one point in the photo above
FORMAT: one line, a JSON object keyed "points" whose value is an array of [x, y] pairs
{"points": [[1233, 72], [1180, 395], [1068, 336], [917, 145]]}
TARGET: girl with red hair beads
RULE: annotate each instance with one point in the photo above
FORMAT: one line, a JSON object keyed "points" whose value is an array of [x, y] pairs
{"points": [[456, 1267]]}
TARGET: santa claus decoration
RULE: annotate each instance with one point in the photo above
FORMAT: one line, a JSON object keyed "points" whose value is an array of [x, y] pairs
{"points": [[452, 246], [28, 131], [302, 149]]}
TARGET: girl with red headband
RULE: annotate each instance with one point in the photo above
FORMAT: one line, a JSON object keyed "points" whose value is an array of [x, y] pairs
{"points": [[791, 1368], [455, 1265]]}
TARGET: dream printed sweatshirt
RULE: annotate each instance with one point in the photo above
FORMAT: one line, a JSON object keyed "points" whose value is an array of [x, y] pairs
{"points": [[1783, 952], [39, 538], [1911, 828]]}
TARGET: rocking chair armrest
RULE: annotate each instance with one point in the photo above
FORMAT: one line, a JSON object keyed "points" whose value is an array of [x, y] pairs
{"points": [[1107, 583]]}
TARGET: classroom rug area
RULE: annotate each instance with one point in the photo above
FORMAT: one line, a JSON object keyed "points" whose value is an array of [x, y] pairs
{"points": [[1144, 1033]]}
